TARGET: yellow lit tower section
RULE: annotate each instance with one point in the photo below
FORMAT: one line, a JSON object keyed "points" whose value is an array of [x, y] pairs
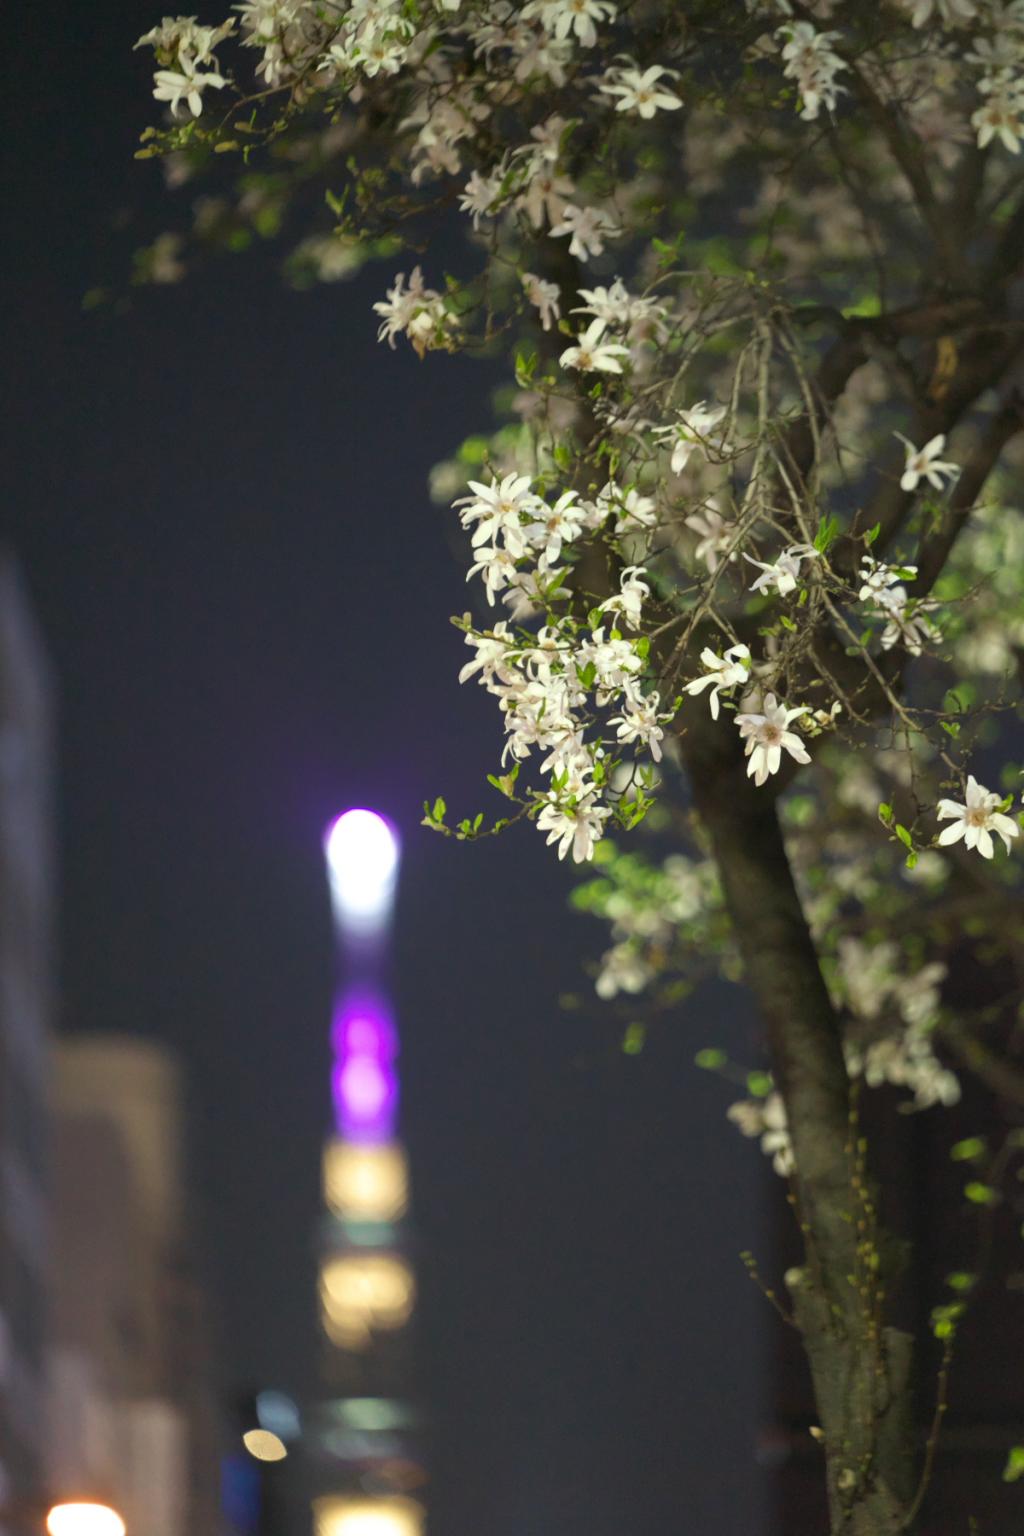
{"points": [[367, 1464]]}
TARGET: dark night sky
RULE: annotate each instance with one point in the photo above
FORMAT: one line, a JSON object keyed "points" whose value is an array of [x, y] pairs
{"points": [[219, 501]]}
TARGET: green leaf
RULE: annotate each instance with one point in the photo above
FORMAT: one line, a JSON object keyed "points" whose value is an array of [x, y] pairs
{"points": [[904, 836], [710, 1060], [957, 701], [526, 367], [504, 783], [474, 450], [872, 534], [864, 309], [1014, 1469], [826, 534], [633, 1039], [968, 1151], [759, 1084], [982, 1194], [945, 1319]]}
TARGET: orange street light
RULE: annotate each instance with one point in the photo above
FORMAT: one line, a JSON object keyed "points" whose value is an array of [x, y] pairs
{"points": [[84, 1519]]}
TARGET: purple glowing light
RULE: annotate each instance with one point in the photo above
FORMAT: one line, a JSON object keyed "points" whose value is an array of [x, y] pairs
{"points": [[362, 850], [364, 1082], [365, 1089], [363, 1026]]}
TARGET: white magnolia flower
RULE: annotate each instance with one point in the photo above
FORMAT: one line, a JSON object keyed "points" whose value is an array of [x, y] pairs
{"points": [[924, 463], [878, 580], [641, 319], [557, 525], [919, 996], [381, 53], [639, 91], [612, 305], [497, 511], [478, 195], [1001, 115], [640, 721], [623, 969], [542, 54], [632, 510], [173, 32], [575, 823], [691, 430], [492, 651], [539, 706], [548, 137], [496, 566], [994, 55], [868, 975], [952, 13], [766, 1118], [591, 354], [417, 310], [548, 654], [766, 734], [615, 664], [726, 671], [715, 535], [629, 600], [564, 18], [529, 592], [543, 296], [976, 820], [813, 63], [589, 228], [185, 84], [905, 617], [910, 1063], [906, 621], [184, 37], [546, 195], [783, 573]]}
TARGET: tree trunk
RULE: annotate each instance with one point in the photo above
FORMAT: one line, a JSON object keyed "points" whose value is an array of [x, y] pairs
{"points": [[861, 1369]]}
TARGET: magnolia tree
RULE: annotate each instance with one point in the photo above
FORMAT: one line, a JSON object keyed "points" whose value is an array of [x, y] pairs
{"points": [[745, 548]]}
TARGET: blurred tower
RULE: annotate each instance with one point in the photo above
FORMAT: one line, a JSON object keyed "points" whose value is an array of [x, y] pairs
{"points": [[26, 987], [367, 1464]]}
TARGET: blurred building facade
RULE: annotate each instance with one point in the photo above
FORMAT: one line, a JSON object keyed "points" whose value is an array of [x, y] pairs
{"points": [[26, 993], [134, 1412]]}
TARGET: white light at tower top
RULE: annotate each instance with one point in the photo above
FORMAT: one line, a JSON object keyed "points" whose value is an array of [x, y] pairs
{"points": [[361, 849], [85, 1519]]}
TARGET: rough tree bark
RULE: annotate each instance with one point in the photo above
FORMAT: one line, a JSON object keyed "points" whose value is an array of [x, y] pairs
{"points": [[861, 1367]]}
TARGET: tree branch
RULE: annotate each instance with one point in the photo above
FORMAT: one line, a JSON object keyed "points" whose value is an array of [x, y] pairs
{"points": [[937, 544]]}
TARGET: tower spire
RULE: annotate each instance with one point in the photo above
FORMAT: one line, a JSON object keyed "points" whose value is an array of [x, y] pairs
{"points": [[367, 1465]]}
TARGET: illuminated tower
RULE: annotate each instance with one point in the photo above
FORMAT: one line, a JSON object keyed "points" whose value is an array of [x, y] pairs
{"points": [[367, 1464]]}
